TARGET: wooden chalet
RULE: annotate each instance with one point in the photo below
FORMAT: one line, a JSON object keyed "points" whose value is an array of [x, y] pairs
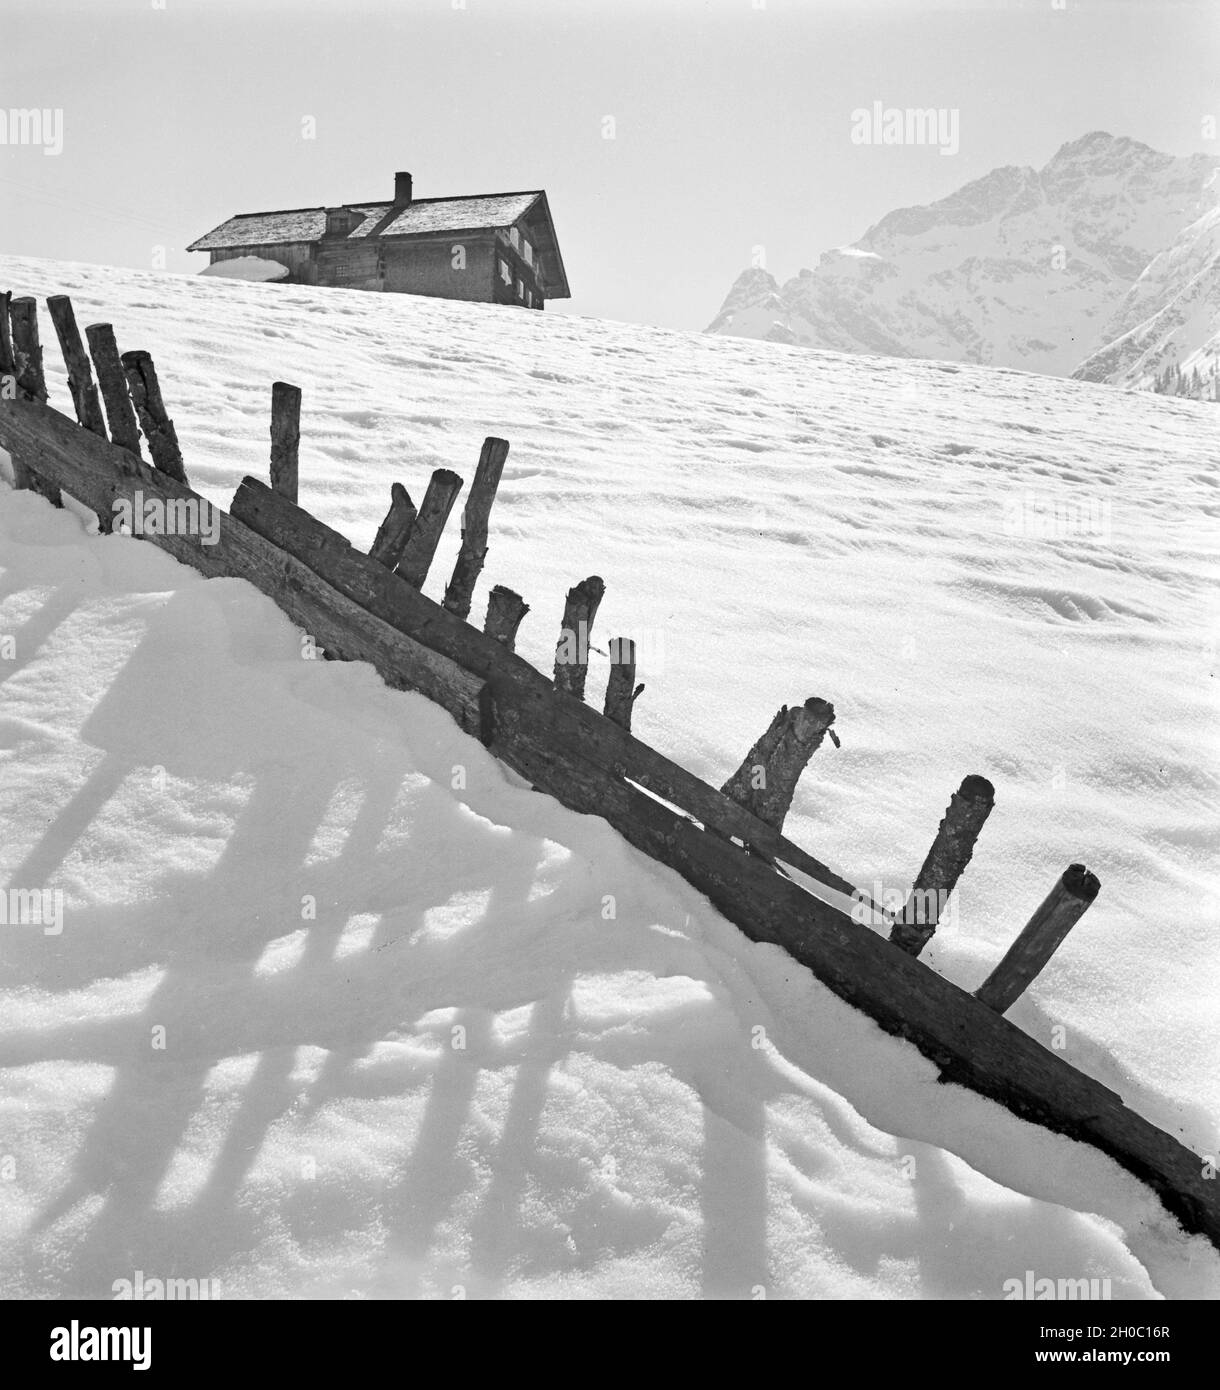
{"points": [[497, 248]]}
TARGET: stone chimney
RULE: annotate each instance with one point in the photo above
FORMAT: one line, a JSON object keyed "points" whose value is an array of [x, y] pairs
{"points": [[402, 189]]}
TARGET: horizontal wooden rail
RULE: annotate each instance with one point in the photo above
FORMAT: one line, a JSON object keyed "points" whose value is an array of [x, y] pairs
{"points": [[99, 474], [573, 726], [972, 1044], [358, 610]]}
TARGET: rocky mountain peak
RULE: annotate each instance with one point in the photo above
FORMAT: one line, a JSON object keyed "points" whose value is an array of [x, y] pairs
{"points": [[1024, 268]]}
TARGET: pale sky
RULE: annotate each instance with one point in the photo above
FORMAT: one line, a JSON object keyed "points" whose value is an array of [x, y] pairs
{"points": [[731, 118]]}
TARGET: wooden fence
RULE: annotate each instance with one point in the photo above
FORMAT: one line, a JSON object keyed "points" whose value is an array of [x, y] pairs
{"points": [[727, 842]]}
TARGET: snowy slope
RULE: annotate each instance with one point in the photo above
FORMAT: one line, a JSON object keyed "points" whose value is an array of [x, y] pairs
{"points": [[1022, 268], [770, 524]]}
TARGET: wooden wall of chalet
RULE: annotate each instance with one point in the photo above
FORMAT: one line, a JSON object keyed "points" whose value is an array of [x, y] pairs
{"points": [[347, 263], [426, 266], [423, 265]]}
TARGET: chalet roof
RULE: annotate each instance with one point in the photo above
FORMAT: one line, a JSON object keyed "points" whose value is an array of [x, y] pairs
{"points": [[460, 214], [421, 217]]}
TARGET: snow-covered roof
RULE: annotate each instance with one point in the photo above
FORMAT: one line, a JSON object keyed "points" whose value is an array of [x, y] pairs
{"points": [[461, 214], [424, 215], [264, 229]]}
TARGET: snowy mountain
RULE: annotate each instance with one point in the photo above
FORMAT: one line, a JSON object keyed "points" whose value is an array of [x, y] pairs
{"points": [[1034, 269], [1165, 334], [986, 571]]}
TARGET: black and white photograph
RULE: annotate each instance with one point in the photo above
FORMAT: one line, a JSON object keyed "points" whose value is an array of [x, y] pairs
{"points": [[609, 617]]}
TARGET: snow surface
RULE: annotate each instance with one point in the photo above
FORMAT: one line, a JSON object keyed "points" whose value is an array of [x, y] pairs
{"points": [[647, 1105]]}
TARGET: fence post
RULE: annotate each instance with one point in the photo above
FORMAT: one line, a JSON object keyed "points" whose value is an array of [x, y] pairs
{"points": [[572, 651], [6, 337], [1063, 907], [157, 426], [505, 609], [621, 689], [285, 438], [395, 530], [766, 780], [443, 488], [474, 526], [80, 373], [968, 809], [27, 350], [25, 362], [112, 381]]}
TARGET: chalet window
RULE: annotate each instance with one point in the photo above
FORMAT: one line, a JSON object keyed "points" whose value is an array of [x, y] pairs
{"points": [[527, 251], [515, 237], [505, 274], [521, 290]]}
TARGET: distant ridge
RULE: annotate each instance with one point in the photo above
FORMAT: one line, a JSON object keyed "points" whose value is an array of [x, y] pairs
{"points": [[1104, 264]]}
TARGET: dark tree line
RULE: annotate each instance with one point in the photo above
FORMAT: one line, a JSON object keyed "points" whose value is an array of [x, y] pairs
{"points": [[1196, 385]]}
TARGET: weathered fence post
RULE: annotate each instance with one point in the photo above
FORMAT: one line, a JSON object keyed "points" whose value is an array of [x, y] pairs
{"points": [[1063, 907], [6, 337], [621, 689], [394, 532], [572, 651], [27, 350], [285, 438], [505, 609], [474, 526], [766, 780], [112, 381], [443, 488], [25, 368], [80, 373], [968, 808], [157, 426]]}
